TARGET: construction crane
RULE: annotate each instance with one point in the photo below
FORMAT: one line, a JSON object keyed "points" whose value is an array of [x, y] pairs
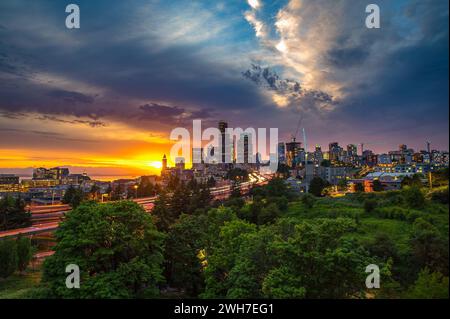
{"points": [[294, 136], [305, 145], [430, 179]]}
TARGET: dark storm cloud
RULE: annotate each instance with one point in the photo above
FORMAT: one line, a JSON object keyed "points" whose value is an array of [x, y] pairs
{"points": [[45, 134], [71, 97], [409, 89], [171, 114], [159, 112], [52, 134], [393, 77], [347, 57], [59, 120], [138, 67]]}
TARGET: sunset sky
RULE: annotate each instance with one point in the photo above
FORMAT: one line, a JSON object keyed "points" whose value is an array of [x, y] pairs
{"points": [[104, 98]]}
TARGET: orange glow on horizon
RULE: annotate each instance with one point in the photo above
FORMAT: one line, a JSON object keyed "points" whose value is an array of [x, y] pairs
{"points": [[134, 164]]}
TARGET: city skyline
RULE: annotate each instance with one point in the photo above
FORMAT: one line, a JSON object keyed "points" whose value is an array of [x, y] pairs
{"points": [[251, 66]]}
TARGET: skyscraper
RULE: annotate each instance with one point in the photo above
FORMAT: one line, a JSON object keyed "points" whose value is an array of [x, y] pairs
{"points": [[245, 141], [244, 149], [226, 145], [352, 150], [334, 151], [281, 153], [292, 150], [318, 155]]}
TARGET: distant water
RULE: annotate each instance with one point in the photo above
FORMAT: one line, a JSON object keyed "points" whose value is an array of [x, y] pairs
{"points": [[110, 178], [103, 178]]}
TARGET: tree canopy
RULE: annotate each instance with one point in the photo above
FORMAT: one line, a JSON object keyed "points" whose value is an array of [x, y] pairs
{"points": [[117, 248]]}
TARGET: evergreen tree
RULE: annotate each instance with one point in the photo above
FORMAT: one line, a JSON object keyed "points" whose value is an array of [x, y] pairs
{"points": [[13, 214], [115, 245], [24, 253], [8, 257], [316, 186], [73, 196]]}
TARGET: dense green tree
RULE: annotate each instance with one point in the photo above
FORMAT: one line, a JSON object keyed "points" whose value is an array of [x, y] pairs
{"points": [[13, 214], [115, 245], [235, 203], [8, 257], [308, 200], [276, 188], [429, 285], [281, 283], [223, 256], [370, 204], [281, 201], [441, 196], [269, 214], [162, 213], [316, 186], [73, 196], [414, 197], [180, 200], [413, 181], [184, 245], [383, 246], [317, 250], [252, 263], [24, 253], [430, 248], [173, 183], [254, 210], [440, 177]]}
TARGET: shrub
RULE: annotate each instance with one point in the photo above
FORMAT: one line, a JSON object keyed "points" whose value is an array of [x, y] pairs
{"points": [[440, 196], [370, 205], [8, 258], [394, 212], [429, 285], [414, 197], [24, 253], [308, 200]]}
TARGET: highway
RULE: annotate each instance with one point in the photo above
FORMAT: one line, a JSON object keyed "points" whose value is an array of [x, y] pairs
{"points": [[47, 218]]}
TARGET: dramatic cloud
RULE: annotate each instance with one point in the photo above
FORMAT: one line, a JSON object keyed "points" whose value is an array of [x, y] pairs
{"points": [[76, 121], [143, 67], [71, 97], [288, 92]]}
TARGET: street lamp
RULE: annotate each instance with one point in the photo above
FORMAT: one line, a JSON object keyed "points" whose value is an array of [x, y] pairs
{"points": [[136, 188]]}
